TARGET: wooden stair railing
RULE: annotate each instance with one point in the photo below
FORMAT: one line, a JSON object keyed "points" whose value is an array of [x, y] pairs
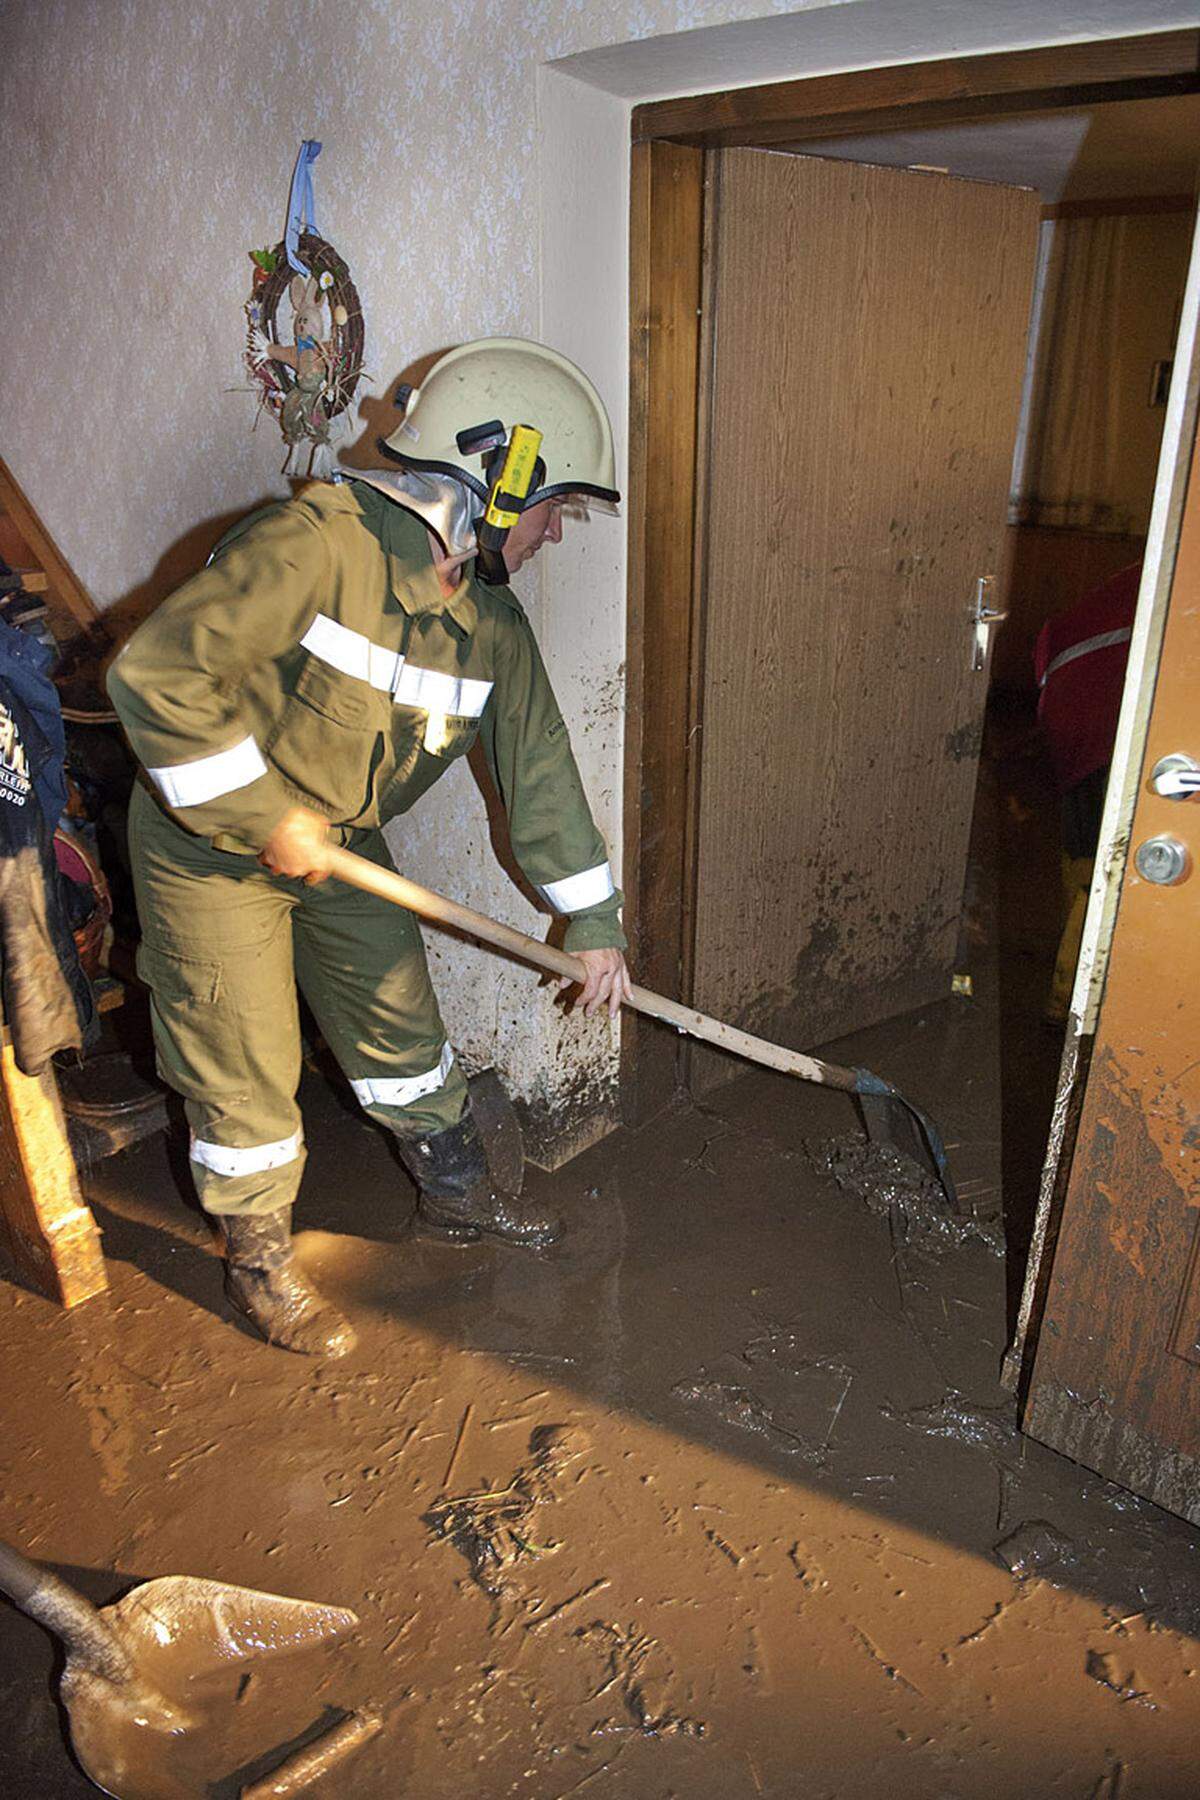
{"points": [[25, 544]]}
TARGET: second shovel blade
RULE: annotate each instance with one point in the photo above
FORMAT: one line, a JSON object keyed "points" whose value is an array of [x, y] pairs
{"points": [[500, 1130]]}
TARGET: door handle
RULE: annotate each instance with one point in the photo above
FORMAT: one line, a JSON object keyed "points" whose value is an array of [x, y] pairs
{"points": [[1176, 777], [983, 617]]}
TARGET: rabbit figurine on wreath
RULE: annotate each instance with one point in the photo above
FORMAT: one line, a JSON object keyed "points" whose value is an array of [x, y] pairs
{"points": [[308, 383]]}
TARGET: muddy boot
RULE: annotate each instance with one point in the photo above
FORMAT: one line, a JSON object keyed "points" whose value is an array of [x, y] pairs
{"points": [[457, 1196], [266, 1283]]}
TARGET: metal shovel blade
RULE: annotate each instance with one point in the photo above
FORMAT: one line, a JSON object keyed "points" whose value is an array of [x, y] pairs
{"points": [[898, 1125], [130, 1666], [206, 1624]]}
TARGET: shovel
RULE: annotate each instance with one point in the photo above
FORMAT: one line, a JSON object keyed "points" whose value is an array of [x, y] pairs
{"points": [[890, 1119], [129, 1665]]}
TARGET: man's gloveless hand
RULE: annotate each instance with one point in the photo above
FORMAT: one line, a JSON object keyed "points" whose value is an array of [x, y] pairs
{"points": [[607, 983], [297, 846]]}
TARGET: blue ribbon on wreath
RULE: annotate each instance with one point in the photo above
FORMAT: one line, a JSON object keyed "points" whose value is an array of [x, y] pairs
{"points": [[302, 211]]}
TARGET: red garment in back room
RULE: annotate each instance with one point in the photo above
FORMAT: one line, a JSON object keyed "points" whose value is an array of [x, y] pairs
{"points": [[47, 1001], [1080, 662]]}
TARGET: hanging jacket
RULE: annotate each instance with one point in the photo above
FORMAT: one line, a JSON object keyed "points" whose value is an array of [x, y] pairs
{"points": [[1079, 662], [316, 662], [47, 999]]}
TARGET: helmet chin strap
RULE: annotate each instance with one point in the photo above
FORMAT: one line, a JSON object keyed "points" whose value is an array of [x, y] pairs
{"points": [[490, 566]]}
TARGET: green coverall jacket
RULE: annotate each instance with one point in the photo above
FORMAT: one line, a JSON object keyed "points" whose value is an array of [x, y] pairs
{"points": [[316, 662]]}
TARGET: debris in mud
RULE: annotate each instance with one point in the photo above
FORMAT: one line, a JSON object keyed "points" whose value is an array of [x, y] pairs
{"points": [[886, 1180], [811, 1577], [972, 1637], [1102, 1668], [726, 1549], [889, 1669], [493, 1530], [629, 1656], [539, 1623], [991, 1428], [1032, 1547], [738, 1406]]}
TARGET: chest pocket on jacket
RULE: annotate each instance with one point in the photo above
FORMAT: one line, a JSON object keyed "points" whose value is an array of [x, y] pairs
{"points": [[444, 709], [330, 740], [444, 737], [341, 698]]}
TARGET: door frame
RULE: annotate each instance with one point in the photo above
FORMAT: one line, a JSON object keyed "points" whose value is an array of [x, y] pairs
{"points": [[668, 355]]}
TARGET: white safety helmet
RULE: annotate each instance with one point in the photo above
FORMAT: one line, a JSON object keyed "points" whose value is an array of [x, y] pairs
{"points": [[459, 419]]}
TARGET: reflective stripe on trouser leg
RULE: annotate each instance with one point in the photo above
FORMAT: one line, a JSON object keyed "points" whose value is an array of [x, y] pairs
{"points": [[361, 964], [416, 1107], [245, 1178], [395, 1093], [216, 956]]}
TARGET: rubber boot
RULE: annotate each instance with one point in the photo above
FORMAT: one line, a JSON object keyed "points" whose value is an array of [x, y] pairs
{"points": [[264, 1281], [457, 1196]]}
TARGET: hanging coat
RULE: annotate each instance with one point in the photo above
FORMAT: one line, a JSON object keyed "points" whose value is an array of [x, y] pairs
{"points": [[47, 1001]]}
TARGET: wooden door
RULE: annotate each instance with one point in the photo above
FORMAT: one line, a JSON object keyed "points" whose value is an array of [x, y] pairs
{"points": [[868, 331], [1116, 1378]]}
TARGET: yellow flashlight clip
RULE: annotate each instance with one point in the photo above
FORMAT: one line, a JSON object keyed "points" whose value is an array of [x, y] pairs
{"points": [[509, 492]]}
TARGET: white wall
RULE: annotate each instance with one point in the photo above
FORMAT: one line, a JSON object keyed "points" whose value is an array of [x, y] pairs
{"points": [[147, 146]]}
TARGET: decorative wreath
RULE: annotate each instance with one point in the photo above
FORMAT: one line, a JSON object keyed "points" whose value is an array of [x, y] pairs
{"points": [[272, 279]]}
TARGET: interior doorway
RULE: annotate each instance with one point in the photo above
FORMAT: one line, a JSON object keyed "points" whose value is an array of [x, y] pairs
{"points": [[1109, 170]]}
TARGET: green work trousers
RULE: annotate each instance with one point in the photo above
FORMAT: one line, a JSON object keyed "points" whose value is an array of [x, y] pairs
{"points": [[224, 944]]}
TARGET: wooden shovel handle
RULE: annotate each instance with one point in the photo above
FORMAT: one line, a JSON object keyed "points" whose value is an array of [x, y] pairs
{"points": [[357, 872]]}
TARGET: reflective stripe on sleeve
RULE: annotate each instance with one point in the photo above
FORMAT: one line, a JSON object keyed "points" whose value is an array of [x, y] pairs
{"points": [[456, 695], [402, 1090], [254, 1159], [575, 892], [208, 777]]}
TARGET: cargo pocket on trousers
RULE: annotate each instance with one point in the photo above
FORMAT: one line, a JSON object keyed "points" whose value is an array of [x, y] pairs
{"points": [[197, 1039]]}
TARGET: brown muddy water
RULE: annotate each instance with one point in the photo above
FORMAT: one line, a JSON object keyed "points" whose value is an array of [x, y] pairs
{"points": [[718, 1498]]}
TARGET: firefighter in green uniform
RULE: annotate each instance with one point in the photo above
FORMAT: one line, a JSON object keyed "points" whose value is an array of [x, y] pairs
{"points": [[329, 664]]}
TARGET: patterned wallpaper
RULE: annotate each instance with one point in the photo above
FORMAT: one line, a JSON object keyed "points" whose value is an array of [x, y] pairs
{"points": [[147, 145]]}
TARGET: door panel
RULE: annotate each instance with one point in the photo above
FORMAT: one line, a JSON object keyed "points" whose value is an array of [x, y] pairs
{"points": [[1116, 1379], [869, 330]]}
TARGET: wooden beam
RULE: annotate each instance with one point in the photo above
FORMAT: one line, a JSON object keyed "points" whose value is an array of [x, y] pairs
{"points": [[52, 1236], [666, 220], [66, 594], [915, 95]]}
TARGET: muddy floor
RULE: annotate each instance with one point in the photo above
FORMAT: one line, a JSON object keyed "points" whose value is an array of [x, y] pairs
{"points": [[718, 1498]]}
